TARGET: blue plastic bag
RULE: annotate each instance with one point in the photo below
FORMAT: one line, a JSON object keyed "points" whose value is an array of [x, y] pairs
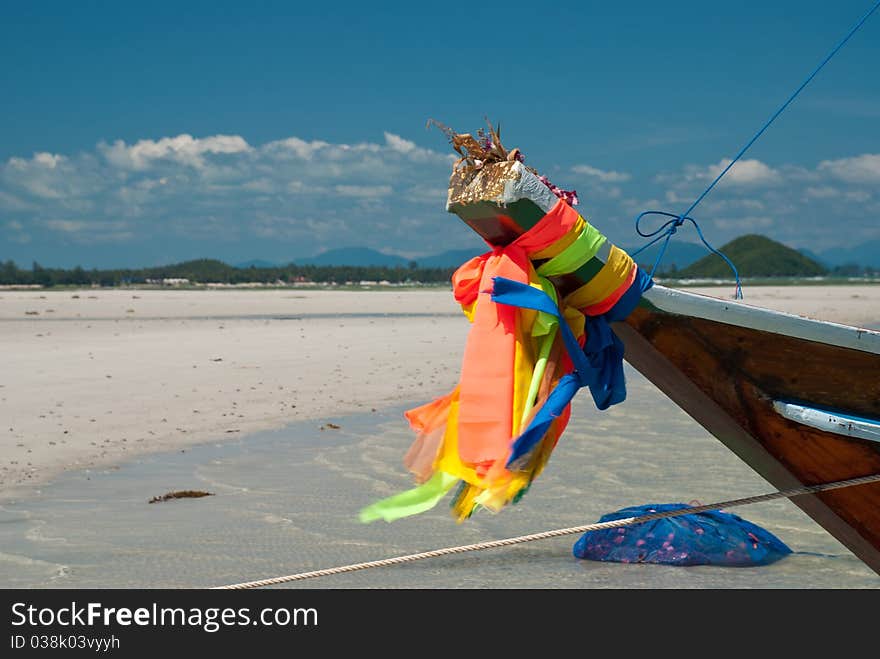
{"points": [[706, 538]]}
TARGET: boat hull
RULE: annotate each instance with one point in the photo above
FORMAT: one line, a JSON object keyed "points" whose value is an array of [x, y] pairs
{"points": [[730, 377]]}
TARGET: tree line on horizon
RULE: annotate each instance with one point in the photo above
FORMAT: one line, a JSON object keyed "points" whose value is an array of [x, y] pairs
{"points": [[754, 256], [212, 271]]}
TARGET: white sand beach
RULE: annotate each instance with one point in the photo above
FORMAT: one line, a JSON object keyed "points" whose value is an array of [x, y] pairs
{"points": [[92, 377]]}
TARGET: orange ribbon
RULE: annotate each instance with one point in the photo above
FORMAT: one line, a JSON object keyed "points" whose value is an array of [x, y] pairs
{"points": [[485, 421]]}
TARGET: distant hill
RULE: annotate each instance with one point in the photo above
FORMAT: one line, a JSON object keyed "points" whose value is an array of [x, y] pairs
{"points": [[821, 260], [256, 263], [755, 256], [197, 269], [678, 255], [865, 254], [357, 256], [449, 259]]}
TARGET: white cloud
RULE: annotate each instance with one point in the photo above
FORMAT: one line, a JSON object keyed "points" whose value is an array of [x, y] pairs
{"points": [[40, 188], [294, 147], [11, 202], [397, 143], [295, 190], [673, 197], [296, 187], [40, 160], [264, 185], [744, 172], [858, 196], [415, 153], [428, 194], [45, 175], [605, 176], [859, 169], [821, 192], [727, 204], [389, 193], [322, 151], [86, 232], [67, 226], [746, 224], [78, 226], [183, 149], [15, 231], [805, 205], [369, 191], [48, 159]]}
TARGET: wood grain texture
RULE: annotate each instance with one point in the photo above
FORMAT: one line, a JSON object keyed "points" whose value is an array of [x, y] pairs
{"points": [[742, 371]]}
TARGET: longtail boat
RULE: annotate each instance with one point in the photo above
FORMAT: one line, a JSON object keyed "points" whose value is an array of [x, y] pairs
{"points": [[556, 307], [797, 399]]}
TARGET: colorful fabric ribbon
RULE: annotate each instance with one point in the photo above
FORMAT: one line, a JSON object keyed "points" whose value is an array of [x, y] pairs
{"points": [[526, 355], [599, 365]]}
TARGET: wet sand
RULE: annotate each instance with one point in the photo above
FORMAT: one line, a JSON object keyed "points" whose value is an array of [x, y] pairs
{"points": [[286, 501], [238, 393]]}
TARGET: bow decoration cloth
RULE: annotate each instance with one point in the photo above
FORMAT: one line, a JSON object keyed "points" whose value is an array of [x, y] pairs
{"points": [[527, 354]]}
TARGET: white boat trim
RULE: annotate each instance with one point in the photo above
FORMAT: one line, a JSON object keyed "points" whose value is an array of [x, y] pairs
{"points": [[736, 312]]}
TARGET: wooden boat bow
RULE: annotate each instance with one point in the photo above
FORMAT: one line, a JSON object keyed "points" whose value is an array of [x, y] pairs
{"points": [[737, 369]]}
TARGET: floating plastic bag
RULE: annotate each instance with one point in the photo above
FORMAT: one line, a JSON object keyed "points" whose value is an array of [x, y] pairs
{"points": [[706, 538]]}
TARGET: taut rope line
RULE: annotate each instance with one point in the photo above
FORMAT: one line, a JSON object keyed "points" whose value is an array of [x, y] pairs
{"points": [[491, 544]]}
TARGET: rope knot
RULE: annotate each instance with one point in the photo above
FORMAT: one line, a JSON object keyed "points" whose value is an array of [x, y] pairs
{"points": [[668, 229]]}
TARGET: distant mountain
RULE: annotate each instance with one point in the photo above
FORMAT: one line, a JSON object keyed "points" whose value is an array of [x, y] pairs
{"points": [[755, 256], [865, 254], [821, 260], [357, 256], [196, 270], [678, 255], [450, 259], [255, 263]]}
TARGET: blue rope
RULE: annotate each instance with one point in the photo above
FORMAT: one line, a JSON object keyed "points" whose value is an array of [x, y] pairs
{"points": [[667, 230], [671, 226]]}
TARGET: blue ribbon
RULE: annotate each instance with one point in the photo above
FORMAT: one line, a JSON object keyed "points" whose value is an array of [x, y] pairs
{"points": [[599, 365]]}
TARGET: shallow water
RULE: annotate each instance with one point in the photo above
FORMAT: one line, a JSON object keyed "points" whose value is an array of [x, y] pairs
{"points": [[287, 501]]}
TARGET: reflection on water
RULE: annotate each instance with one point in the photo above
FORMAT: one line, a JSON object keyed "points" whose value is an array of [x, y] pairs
{"points": [[287, 502]]}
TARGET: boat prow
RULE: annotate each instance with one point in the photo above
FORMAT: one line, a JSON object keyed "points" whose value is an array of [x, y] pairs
{"points": [[795, 398]]}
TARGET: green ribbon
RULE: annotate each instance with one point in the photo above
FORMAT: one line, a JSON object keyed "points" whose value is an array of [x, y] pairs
{"points": [[412, 502], [544, 330], [585, 247]]}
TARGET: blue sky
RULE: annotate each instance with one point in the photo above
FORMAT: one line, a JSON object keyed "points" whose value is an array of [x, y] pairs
{"points": [[137, 134]]}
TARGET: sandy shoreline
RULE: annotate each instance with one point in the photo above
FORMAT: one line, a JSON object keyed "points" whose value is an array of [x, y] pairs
{"points": [[94, 377], [101, 377]]}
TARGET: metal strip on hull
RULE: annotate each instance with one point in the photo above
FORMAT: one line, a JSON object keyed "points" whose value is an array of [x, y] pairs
{"points": [[840, 424]]}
